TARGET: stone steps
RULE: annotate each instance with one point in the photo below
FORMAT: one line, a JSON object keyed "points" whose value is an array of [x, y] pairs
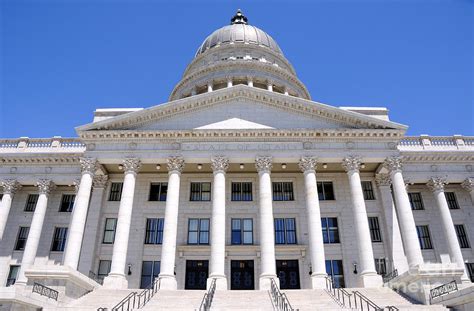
{"points": [[180, 300], [106, 298], [311, 299], [242, 300]]}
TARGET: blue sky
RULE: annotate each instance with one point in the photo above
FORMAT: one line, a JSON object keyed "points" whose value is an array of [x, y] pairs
{"points": [[60, 60]]}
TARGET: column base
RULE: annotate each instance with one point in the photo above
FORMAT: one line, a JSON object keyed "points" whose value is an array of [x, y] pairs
{"points": [[265, 281], [168, 282], [221, 282], [370, 279], [115, 281], [318, 281]]}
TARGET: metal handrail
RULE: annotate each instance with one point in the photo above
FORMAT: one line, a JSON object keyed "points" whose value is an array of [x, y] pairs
{"points": [[208, 296], [392, 308], [126, 304], [365, 302], [342, 297], [280, 300], [45, 291], [390, 276], [148, 293]]}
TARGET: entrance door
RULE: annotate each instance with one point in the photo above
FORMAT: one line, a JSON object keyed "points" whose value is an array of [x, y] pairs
{"points": [[289, 274], [242, 275], [197, 272]]}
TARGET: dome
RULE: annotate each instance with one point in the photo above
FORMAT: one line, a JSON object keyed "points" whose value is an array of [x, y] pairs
{"points": [[239, 32]]}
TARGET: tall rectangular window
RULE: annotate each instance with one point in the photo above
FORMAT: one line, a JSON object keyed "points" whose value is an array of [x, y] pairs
{"points": [[200, 191], [115, 191], [325, 191], [451, 198], [335, 270], [285, 231], [242, 231], [424, 237], [470, 270], [158, 191], [67, 202], [380, 266], [154, 231], [12, 275], [241, 191], [31, 202], [374, 227], [330, 230], [109, 230], [283, 191], [150, 271], [198, 231], [368, 190], [462, 236], [104, 269], [59, 239], [1, 196], [21, 238], [416, 201]]}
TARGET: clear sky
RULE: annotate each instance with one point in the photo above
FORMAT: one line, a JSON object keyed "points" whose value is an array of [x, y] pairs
{"points": [[60, 60]]}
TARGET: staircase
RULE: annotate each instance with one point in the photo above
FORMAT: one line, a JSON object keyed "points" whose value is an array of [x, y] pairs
{"points": [[242, 300], [179, 300], [312, 299], [106, 298]]}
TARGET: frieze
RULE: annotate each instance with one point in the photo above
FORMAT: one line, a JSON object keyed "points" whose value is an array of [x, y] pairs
{"points": [[241, 146]]}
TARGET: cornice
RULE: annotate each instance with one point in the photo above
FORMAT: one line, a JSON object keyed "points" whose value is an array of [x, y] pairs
{"points": [[424, 157], [38, 159]]}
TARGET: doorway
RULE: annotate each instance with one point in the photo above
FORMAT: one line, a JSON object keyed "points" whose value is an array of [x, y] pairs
{"points": [[288, 272], [242, 275], [197, 272]]}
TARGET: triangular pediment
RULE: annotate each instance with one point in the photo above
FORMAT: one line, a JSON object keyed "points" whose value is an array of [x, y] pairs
{"points": [[241, 107]]}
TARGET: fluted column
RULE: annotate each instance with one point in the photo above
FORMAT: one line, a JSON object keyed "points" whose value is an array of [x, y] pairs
{"points": [[116, 277], [45, 186], [468, 185], [10, 187], [394, 239], [313, 212], [219, 166], [366, 266], [170, 230], [404, 212], [436, 185], [79, 213], [267, 234]]}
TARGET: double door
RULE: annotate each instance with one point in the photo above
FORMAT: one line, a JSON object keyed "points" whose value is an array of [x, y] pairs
{"points": [[242, 275], [288, 273], [197, 272]]}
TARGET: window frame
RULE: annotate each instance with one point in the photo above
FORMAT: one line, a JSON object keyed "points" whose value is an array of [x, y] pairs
{"points": [[375, 230], [369, 193], [340, 283], [196, 195], [10, 279], [451, 199], [241, 231], [70, 206], [461, 234], [413, 203], [282, 194], [58, 243], [109, 230], [115, 195], [23, 239], [154, 274], [199, 231], [30, 206], [380, 266], [327, 230], [321, 185], [424, 239], [100, 275], [154, 236], [240, 195], [286, 231], [159, 196]]}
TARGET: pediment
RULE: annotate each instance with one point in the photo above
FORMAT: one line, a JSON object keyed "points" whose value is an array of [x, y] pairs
{"points": [[241, 107]]}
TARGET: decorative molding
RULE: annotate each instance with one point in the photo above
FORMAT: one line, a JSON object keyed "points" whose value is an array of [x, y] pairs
{"points": [[131, 165], [351, 163], [100, 181], [219, 163], [263, 164], [36, 158], [10, 186], [468, 184], [383, 180], [45, 186], [76, 183], [175, 164], [88, 165], [393, 164], [308, 164], [437, 183]]}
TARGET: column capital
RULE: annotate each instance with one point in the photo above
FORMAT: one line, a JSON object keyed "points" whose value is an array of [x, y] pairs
{"points": [[10, 186], [308, 164], [45, 186], [437, 183], [352, 163], [383, 180], [100, 181], [263, 164], [393, 164], [131, 165], [468, 184], [88, 165], [219, 164], [175, 163], [76, 183]]}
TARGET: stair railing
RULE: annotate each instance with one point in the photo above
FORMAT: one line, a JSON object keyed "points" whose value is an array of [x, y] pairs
{"points": [[392, 308], [363, 303], [208, 296], [126, 304], [145, 295], [342, 297], [390, 276], [280, 300]]}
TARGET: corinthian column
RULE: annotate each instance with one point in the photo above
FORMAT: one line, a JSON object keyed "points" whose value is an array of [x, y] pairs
{"points": [[79, 213], [316, 243], [405, 214], [436, 185], [267, 234], [468, 185], [116, 277], [368, 274], [170, 230], [44, 188], [219, 166], [10, 186]]}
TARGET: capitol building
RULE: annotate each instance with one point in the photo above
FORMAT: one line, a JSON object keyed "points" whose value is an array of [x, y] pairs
{"points": [[239, 193]]}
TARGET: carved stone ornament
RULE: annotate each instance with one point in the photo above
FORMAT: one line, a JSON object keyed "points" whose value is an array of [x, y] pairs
{"points": [[45, 186], [468, 184], [351, 163], [10, 186], [131, 165], [308, 164], [383, 180], [175, 163], [393, 164], [219, 163], [77, 184], [88, 165], [436, 184], [100, 181], [263, 164]]}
